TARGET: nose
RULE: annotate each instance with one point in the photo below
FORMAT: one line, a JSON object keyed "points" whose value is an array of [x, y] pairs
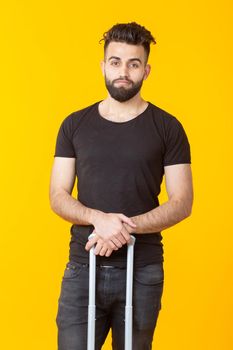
{"points": [[124, 71]]}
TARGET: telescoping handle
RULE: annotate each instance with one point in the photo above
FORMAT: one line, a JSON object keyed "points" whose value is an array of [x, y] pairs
{"points": [[91, 303], [129, 296]]}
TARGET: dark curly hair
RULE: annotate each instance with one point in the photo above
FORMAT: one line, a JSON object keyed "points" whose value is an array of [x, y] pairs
{"points": [[130, 33]]}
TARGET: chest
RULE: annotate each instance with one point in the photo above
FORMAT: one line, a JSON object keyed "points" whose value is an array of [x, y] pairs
{"points": [[119, 145]]}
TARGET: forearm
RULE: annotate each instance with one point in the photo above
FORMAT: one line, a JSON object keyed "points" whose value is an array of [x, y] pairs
{"points": [[162, 217], [72, 210]]}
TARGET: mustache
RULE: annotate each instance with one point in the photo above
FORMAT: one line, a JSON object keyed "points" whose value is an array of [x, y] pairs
{"points": [[122, 79]]}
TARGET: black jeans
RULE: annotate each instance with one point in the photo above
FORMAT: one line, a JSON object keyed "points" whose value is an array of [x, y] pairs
{"points": [[72, 312]]}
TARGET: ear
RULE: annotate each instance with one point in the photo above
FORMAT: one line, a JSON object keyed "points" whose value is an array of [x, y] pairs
{"points": [[102, 65], [147, 71]]}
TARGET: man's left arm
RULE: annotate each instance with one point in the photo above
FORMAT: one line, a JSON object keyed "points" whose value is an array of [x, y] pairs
{"points": [[179, 187], [178, 181]]}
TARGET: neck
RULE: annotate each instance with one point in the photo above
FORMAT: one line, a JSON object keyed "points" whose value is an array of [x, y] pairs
{"points": [[130, 107]]}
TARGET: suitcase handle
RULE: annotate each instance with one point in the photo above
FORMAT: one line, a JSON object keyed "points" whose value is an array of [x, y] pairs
{"points": [[129, 296], [91, 303]]}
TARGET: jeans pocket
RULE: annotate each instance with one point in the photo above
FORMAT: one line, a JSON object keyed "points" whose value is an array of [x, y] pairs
{"points": [[72, 270], [151, 274], [148, 290]]}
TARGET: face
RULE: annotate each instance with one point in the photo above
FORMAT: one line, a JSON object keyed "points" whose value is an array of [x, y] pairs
{"points": [[124, 70]]}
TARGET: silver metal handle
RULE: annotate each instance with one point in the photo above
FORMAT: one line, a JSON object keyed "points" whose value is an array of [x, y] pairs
{"points": [[129, 296], [91, 303]]}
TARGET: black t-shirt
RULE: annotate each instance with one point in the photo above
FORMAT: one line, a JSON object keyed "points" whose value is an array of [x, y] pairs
{"points": [[120, 167]]}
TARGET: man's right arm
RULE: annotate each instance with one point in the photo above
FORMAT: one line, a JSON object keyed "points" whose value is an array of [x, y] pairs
{"points": [[108, 226], [61, 185]]}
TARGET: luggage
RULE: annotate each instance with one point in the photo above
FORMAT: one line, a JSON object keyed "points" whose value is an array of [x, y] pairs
{"points": [[129, 296]]}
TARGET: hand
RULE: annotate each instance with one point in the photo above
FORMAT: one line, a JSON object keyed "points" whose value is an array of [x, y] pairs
{"points": [[110, 228], [101, 248]]}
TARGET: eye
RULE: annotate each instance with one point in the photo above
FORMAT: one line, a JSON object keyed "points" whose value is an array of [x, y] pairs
{"points": [[134, 65], [114, 63]]}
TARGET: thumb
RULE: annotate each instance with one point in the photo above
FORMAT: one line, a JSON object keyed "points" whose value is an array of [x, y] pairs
{"points": [[127, 220]]}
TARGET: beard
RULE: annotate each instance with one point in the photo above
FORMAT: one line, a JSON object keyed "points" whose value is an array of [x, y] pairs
{"points": [[121, 93]]}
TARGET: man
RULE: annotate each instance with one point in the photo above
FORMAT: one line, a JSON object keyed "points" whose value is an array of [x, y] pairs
{"points": [[119, 148]]}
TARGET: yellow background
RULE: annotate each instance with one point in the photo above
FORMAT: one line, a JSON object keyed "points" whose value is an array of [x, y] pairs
{"points": [[49, 68]]}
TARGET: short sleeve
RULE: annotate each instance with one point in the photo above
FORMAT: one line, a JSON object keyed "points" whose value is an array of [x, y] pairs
{"points": [[64, 145], [177, 144]]}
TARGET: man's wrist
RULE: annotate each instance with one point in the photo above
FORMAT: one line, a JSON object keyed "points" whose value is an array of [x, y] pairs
{"points": [[94, 215]]}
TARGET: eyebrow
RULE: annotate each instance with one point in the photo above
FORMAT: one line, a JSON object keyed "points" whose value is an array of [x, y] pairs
{"points": [[131, 59]]}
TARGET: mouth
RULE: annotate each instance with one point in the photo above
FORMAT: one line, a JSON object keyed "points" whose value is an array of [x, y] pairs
{"points": [[123, 81]]}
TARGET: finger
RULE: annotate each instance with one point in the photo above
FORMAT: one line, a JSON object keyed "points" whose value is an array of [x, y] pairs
{"points": [[92, 235], [111, 245], [126, 234], [98, 247], [108, 253], [103, 251], [121, 237], [116, 241], [127, 220], [91, 242]]}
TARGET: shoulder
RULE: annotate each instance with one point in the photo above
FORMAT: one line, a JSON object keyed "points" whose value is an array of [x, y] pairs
{"points": [[166, 122], [75, 118], [78, 114], [177, 147], [162, 115]]}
